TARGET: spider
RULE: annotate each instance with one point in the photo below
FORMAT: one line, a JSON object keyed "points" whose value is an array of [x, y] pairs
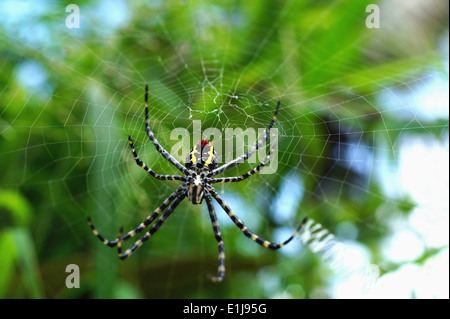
{"points": [[201, 167]]}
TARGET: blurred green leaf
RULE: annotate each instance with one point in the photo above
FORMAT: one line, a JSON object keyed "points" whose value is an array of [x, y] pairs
{"points": [[125, 290], [7, 247], [17, 206], [27, 262]]}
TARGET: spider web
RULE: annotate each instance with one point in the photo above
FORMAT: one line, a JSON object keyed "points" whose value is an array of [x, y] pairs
{"points": [[344, 135]]}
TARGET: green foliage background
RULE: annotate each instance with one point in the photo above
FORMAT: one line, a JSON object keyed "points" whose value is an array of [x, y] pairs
{"points": [[64, 155]]}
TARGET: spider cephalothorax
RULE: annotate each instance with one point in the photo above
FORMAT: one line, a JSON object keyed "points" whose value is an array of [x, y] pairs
{"points": [[198, 177], [202, 158]]}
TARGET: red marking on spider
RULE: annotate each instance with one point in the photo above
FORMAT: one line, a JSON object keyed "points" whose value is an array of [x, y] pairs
{"points": [[204, 143]]}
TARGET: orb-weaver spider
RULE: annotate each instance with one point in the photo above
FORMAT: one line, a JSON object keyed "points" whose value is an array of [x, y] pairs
{"points": [[199, 172]]}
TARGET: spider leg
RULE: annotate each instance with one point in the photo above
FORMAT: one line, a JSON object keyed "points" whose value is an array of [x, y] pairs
{"points": [[249, 153], [149, 170], [158, 146], [141, 226], [151, 231], [218, 236], [246, 175], [248, 233], [119, 242]]}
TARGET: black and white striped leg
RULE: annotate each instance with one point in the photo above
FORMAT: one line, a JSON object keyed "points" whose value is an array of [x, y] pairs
{"points": [[246, 175], [152, 229], [141, 226], [158, 146], [249, 153], [220, 244], [119, 241], [149, 170], [246, 231], [97, 234]]}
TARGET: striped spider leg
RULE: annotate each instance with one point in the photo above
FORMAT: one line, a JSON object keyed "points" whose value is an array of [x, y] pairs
{"points": [[179, 192], [149, 170], [244, 157], [152, 229], [218, 236], [244, 176], [245, 230], [158, 146]]}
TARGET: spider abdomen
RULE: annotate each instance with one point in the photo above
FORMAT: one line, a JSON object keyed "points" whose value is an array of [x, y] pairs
{"points": [[202, 157]]}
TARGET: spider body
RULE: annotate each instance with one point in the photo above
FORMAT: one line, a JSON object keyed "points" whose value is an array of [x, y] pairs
{"points": [[202, 157], [198, 176]]}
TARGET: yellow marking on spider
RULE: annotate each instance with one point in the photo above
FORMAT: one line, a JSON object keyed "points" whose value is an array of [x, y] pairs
{"points": [[254, 237], [266, 244], [244, 229], [211, 155], [193, 158], [95, 232]]}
